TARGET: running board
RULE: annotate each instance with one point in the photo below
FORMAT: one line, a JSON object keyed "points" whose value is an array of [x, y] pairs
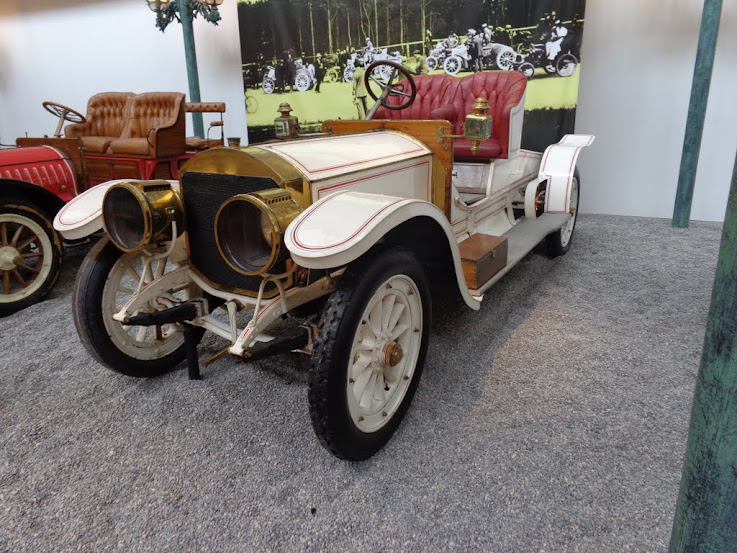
{"points": [[522, 239]]}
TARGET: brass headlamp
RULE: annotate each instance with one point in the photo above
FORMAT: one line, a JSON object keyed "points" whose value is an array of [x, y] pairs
{"points": [[136, 214], [249, 229]]}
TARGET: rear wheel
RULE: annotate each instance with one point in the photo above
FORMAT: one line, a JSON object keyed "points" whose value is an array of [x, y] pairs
{"points": [[30, 256], [369, 353], [559, 242], [566, 65], [268, 85], [107, 279]]}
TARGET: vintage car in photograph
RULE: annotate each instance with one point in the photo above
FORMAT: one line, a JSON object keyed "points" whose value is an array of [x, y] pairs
{"points": [[124, 135], [327, 244]]}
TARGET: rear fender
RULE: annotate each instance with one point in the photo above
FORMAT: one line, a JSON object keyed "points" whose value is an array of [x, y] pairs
{"points": [[557, 168], [83, 215], [340, 228]]}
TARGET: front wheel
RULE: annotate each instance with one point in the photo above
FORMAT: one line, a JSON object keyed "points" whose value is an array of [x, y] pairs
{"points": [[369, 353], [505, 60], [302, 82], [432, 63], [527, 69], [30, 256], [106, 280], [559, 242], [452, 65]]}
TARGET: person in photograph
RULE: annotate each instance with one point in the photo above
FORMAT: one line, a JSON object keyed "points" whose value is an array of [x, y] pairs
{"points": [[359, 90], [552, 46], [418, 61], [486, 33], [476, 49], [428, 41], [450, 42], [368, 52], [319, 71]]}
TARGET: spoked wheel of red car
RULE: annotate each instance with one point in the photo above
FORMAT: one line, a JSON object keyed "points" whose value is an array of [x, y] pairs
{"points": [[559, 242], [64, 113], [389, 87], [369, 353], [30, 256], [107, 279]]}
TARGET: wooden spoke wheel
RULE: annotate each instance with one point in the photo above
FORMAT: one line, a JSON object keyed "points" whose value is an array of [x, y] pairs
{"points": [[30, 256]]}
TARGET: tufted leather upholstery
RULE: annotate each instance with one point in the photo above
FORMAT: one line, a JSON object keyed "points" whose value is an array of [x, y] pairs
{"points": [[451, 98], [104, 121], [154, 126]]}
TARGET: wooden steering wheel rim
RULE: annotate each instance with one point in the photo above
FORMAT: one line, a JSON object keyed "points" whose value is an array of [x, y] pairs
{"points": [[60, 110], [406, 74]]}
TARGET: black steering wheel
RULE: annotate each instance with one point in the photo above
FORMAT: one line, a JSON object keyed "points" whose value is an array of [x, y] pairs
{"points": [[64, 113], [388, 70]]}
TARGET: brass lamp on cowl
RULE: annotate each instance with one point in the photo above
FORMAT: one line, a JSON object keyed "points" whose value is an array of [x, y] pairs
{"points": [[477, 125]]}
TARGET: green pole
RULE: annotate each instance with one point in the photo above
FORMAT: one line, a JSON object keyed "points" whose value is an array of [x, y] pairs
{"points": [[697, 111], [706, 512], [191, 55]]}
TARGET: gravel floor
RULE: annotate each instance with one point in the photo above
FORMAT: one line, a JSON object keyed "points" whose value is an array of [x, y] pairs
{"points": [[554, 419]]}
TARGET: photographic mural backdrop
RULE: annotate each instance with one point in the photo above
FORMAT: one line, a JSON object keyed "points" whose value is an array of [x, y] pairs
{"points": [[305, 52]]}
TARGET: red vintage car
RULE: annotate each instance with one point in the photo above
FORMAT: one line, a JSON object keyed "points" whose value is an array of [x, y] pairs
{"points": [[123, 136]]}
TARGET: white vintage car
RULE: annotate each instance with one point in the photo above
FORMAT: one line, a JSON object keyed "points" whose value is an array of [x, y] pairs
{"points": [[340, 233]]}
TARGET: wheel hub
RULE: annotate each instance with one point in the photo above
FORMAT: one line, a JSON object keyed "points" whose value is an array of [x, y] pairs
{"points": [[8, 256], [393, 354]]}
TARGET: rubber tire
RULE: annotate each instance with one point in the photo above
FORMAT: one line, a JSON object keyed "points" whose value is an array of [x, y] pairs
{"points": [[553, 242], [86, 305], [432, 63], [37, 216], [328, 401]]}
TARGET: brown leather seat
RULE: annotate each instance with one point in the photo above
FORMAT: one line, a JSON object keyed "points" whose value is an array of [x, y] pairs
{"points": [[154, 126], [104, 121], [451, 98]]}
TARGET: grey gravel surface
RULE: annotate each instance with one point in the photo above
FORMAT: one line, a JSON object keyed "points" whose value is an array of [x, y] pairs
{"points": [[554, 419]]}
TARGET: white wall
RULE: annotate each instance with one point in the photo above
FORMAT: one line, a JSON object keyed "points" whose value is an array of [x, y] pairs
{"points": [[67, 55], [635, 86], [638, 60]]}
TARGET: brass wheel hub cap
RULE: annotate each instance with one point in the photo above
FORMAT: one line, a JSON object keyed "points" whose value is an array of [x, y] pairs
{"points": [[392, 354]]}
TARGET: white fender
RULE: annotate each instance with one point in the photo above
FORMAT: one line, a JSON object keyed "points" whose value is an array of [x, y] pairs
{"points": [[557, 167], [82, 216], [343, 226]]}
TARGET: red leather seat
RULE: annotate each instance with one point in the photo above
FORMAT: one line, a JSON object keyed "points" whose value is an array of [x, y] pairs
{"points": [[451, 98]]}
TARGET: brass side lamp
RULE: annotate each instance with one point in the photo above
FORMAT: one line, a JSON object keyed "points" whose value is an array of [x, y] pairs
{"points": [[286, 126], [476, 127]]}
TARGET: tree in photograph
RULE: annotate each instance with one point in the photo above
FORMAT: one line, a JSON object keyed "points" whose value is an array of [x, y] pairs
{"points": [[331, 12], [312, 28]]}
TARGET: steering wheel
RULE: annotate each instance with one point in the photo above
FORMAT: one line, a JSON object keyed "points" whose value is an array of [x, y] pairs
{"points": [[64, 114], [391, 69]]}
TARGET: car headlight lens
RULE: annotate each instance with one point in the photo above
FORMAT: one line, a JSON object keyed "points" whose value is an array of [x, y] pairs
{"points": [[249, 229], [135, 214]]}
